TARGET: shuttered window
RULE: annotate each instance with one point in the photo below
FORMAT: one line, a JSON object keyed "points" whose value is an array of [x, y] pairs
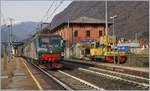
{"points": [[76, 33], [88, 33], [100, 33]]}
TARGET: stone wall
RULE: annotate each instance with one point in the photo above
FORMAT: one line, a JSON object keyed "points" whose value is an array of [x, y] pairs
{"points": [[137, 60]]}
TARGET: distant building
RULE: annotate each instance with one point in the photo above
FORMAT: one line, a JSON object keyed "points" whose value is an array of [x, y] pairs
{"points": [[81, 29]]}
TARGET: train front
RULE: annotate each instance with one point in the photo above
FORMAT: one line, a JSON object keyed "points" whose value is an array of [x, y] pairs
{"points": [[51, 51]]}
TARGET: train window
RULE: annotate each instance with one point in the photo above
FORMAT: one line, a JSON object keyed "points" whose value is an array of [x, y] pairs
{"points": [[55, 40], [45, 40], [52, 41]]}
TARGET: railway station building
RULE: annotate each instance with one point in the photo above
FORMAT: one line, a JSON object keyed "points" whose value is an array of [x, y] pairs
{"points": [[82, 29]]}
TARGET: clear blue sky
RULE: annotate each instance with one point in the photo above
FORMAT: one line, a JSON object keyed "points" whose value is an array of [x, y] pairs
{"points": [[29, 10]]}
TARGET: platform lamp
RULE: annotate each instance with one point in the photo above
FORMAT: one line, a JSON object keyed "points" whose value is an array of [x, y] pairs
{"points": [[113, 18]]}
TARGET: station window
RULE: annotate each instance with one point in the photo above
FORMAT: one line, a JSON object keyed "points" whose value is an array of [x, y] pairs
{"points": [[100, 33], [76, 33], [88, 33]]}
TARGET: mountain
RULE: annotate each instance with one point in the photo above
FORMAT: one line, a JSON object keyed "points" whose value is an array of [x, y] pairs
{"points": [[21, 31], [132, 16]]}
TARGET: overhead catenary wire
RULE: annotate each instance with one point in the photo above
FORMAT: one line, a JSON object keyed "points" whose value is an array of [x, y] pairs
{"points": [[45, 15], [53, 12], [61, 2], [48, 11], [39, 26]]}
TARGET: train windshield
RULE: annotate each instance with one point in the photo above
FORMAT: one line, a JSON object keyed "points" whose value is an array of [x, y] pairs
{"points": [[52, 42]]}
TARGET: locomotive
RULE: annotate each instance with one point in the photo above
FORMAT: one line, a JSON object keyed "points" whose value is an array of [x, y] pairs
{"points": [[47, 50]]}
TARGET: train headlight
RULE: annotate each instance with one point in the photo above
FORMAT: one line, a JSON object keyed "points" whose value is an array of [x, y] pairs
{"points": [[62, 53], [55, 45], [51, 51]]}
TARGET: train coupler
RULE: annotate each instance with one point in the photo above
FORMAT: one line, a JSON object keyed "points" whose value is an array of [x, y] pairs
{"points": [[57, 65]]}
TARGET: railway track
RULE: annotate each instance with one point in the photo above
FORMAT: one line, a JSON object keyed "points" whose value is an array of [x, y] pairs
{"points": [[67, 81], [65, 86], [83, 77], [109, 68], [74, 82], [136, 81]]}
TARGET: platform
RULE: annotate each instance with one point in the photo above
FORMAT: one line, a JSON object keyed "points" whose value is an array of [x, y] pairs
{"points": [[19, 75], [16, 76]]}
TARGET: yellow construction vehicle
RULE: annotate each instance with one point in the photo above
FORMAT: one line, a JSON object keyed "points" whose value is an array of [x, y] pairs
{"points": [[107, 50]]}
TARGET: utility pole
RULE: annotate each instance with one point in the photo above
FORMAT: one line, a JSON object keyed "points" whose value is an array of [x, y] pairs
{"points": [[106, 25], [6, 49], [68, 49], [5, 57], [40, 29], [136, 37], [41, 26], [72, 41], [10, 40]]}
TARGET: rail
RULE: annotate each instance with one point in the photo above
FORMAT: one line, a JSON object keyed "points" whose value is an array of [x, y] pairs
{"points": [[52, 77]]}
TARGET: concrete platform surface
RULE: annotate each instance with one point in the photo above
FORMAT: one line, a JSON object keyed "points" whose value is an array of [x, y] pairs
{"points": [[18, 77]]}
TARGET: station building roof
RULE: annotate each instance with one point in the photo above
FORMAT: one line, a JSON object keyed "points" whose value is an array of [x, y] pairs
{"points": [[82, 20], [88, 20]]}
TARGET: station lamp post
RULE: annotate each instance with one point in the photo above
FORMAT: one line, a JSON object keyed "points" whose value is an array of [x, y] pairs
{"points": [[113, 18]]}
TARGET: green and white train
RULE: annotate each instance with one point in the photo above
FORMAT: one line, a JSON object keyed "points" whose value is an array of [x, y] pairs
{"points": [[46, 49]]}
